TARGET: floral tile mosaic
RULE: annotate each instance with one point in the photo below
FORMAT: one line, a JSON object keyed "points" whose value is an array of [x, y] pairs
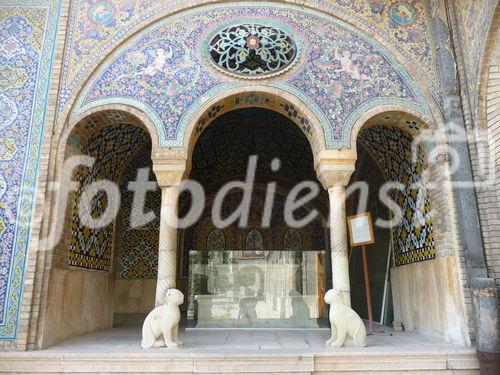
{"points": [[474, 18], [165, 70], [27, 36], [96, 26]]}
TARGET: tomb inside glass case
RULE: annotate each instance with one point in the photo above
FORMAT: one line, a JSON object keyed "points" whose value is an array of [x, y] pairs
{"points": [[256, 289]]}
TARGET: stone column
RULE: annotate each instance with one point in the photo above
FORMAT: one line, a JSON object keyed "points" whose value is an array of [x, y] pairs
{"points": [[167, 247], [168, 180], [338, 242], [335, 177]]}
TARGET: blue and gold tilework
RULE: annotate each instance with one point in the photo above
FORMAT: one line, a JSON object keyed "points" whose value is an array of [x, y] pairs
{"points": [[413, 238]]}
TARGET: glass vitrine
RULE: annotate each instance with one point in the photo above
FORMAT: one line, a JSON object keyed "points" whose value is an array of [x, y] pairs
{"points": [[256, 289]]}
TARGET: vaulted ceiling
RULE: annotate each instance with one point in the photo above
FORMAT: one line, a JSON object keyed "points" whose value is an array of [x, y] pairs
{"points": [[223, 150]]}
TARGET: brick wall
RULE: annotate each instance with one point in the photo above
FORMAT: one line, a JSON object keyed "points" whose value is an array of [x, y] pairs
{"points": [[488, 122]]}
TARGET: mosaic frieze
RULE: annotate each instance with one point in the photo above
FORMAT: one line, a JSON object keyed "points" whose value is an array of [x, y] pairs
{"points": [[342, 74], [406, 24], [27, 36], [413, 238], [97, 26]]}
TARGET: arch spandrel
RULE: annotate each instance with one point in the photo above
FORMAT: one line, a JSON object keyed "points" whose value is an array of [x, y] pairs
{"points": [[411, 37], [343, 72]]}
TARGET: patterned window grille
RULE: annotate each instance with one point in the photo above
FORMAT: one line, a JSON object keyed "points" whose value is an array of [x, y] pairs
{"points": [[216, 240], [292, 240], [253, 50]]}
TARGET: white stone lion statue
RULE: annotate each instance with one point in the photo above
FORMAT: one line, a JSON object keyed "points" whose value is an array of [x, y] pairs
{"points": [[162, 324], [346, 322]]}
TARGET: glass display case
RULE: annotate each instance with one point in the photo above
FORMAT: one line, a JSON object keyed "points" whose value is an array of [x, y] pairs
{"points": [[256, 289]]}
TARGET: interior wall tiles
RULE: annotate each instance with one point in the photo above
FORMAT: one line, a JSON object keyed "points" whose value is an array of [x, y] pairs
{"points": [[111, 147], [216, 240], [97, 26], [138, 247], [413, 238], [165, 71], [27, 36], [474, 19], [139, 254], [196, 237]]}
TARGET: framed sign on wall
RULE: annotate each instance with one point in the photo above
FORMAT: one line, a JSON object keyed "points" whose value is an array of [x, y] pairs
{"points": [[361, 234], [361, 229]]}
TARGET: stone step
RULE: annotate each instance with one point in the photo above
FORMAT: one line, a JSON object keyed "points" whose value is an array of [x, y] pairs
{"points": [[162, 362], [408, 363]]}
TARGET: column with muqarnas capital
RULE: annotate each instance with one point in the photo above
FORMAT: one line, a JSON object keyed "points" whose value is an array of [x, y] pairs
{"points": [[334, 177], [169, 181]]}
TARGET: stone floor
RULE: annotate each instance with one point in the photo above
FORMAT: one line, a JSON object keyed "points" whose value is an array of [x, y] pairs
{"points": [[118, 351], [126, 337]]}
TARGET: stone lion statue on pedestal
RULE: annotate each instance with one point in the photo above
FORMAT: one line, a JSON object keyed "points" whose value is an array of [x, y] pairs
{"points": [[162, 324], [346, 322]]}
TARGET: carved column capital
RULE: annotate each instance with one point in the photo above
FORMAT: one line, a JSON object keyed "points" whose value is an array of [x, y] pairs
{"points": [[334, 174], [169, 172], [168, 178], [335, 167]]}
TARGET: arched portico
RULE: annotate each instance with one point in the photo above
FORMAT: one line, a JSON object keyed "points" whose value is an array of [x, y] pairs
{"points": [[372, 101], [408, 149], [333, 169], [96, 148], [299, 94]]}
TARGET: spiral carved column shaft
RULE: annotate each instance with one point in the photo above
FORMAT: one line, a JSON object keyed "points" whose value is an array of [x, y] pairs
{"points": [[167, 249], [338, 239]]}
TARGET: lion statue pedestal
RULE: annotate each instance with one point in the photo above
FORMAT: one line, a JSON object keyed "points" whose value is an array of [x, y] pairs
{"points": [[161, 326], [346, 322]]}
